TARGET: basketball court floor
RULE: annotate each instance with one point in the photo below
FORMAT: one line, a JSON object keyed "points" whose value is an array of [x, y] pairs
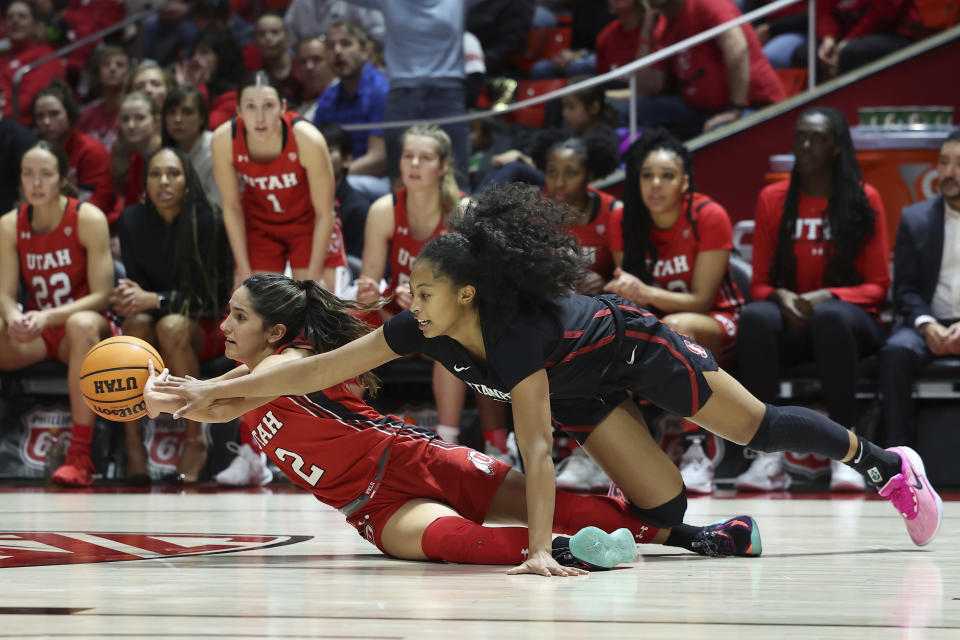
{"points": [[275, 563]]}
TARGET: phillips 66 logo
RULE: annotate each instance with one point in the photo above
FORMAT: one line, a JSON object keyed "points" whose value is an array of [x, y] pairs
{"points": [[42, 426]]}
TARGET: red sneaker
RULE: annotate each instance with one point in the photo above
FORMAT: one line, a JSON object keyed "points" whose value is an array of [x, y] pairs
{"points": [[76, 471]]}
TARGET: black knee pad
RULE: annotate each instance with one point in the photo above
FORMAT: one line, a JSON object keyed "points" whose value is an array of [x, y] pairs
{"points": [[669, 514]]}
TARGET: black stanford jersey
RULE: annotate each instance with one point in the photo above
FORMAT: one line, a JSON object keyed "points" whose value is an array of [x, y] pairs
{"points": [[594, 349]]}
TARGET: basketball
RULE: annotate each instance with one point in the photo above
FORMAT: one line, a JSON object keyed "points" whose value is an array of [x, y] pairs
{"points": [[113, 374]]}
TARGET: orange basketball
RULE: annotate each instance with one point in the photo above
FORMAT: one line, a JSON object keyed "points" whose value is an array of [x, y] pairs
{"points": [[113, 374]]}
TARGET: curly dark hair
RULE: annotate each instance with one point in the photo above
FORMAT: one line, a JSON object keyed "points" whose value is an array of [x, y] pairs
{"points": [[637, 223], [600, 154], [512, 245], [850, 218]]}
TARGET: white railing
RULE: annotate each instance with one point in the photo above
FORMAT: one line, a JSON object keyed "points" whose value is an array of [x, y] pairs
{"points": [[630, 70]]}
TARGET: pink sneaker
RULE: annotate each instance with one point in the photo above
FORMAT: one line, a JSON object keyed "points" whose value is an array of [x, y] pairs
{"points": [[917, 501]]}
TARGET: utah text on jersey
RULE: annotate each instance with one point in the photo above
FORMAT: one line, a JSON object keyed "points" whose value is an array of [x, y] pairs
{"points": [[38, 548], [48, 260], [272, 182]]}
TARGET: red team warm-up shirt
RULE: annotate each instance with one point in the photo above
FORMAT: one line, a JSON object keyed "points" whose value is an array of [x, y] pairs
{"points": [[677, 249], [873, 263], [53, 265], [594, 237]]}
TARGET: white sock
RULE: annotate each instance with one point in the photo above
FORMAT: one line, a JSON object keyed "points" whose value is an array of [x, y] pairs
{"points": [[448, 433]]}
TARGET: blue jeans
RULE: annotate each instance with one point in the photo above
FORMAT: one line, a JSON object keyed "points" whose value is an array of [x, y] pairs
{"points": [[779, 50], [585, 66], [371, 186], [425, 103]]}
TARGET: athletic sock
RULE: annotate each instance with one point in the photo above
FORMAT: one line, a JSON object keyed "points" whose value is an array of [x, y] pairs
{"points": [[80, 438], [496, 437], [875, 464], [682, 535], [448, 433], [455, 539], [573, 512]]}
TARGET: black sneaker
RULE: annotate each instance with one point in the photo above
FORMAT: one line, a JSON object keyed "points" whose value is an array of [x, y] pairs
{"points": [[737, 536], [594, 549]]}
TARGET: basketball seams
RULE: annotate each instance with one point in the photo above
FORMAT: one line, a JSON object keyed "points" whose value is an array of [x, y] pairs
{"points": [[131, 368]]}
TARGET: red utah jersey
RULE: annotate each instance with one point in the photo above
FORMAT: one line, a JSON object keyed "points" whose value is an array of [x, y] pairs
{"points": [[275, 193], [53, 265], [678, 246], [404, 248], [594, 237], [329, 442]]}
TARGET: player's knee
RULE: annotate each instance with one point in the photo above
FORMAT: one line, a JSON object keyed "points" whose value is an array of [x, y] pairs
{"points": [[83, 328], [668, 514], [173, 331], [139, 325]]}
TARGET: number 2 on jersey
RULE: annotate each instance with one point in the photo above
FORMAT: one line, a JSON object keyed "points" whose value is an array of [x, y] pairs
{"points": [[297, 464]]}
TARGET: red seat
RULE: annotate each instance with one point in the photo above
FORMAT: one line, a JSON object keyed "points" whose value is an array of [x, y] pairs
{"points": [[543, 44], [793, 80], [526, 89], [938, 14]]}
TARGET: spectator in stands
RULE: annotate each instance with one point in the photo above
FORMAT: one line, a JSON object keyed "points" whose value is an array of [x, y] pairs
{"points": [[502, 26], [588, 21], [270, 51], [214, 67], [719, 80], [311, 77], [927, 313], [820, 276], [425, 65], [151, 80], [352, 206], [20, 27], [60, 248], [307, 19], [179, 276], [185, 119], [176, 26], [675, 247], [398, 226], [83, 18], [139, 136], [621, 42], [585, 114], [55, 113], [15, 139], [852, 33], [359, 98], [99, 118]]}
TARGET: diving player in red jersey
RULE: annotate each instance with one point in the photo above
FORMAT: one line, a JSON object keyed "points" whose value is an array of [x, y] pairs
{"points": [[285, 212], [60, 249], [575, 360], [404, 489]]}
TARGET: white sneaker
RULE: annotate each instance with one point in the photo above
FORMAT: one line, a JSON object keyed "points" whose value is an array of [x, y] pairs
{"points": [[494, 452], [696, 469], [765, 474], [845, 478], [578, 472], [248, 469]]}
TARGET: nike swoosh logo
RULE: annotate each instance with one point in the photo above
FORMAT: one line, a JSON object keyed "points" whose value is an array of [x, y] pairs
{"points": [[458, 368], [632, 354], [916, 482]]}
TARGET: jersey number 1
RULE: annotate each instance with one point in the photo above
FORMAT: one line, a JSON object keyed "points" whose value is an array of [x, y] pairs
{"points": [[297, 464], [275, 202]]}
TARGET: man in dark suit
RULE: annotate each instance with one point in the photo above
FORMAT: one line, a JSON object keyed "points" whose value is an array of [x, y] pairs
{"points": [[926, 292]]}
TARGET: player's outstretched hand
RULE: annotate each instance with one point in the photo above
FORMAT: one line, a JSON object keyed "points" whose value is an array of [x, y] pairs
{"points": [[199, 394], [543, 564], [150, 394]]}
